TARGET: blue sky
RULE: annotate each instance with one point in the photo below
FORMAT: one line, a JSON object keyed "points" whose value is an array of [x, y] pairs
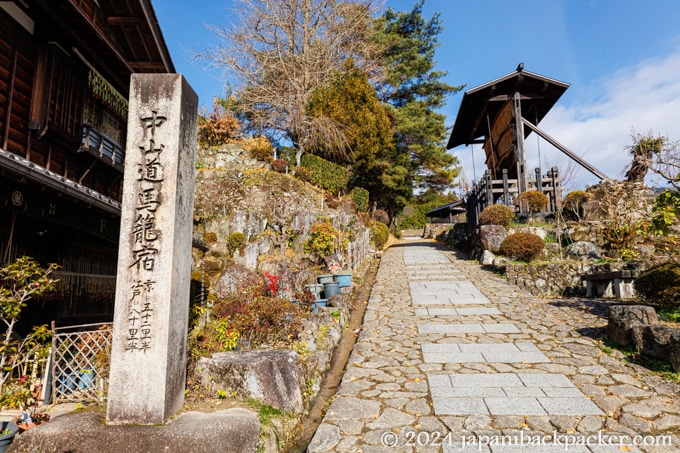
{"points": [[621, 57]]}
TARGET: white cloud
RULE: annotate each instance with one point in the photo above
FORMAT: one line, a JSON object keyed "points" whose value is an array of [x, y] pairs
{"points": [[598, 125]]}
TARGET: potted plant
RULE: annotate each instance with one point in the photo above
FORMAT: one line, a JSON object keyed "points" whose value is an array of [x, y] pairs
{"points": [[7, 432], [19, 282], [34, 415]]}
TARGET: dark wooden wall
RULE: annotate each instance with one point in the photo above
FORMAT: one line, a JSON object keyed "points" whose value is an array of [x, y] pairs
{"points": [[17, 68], [42, 94]]}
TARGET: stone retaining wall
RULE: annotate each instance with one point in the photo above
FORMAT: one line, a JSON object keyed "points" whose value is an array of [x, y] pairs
{"points": [[549, 279]]}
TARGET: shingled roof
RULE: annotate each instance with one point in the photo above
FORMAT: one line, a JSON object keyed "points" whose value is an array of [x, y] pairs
{"points": [[538, 95]]}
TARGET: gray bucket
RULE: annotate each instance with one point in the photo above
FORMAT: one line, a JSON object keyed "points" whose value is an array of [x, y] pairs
{"points": [[331, 289]]}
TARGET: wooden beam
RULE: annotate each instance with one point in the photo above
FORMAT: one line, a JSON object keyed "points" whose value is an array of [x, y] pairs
{"points": [[80, 181], [566, 150], [100, 35], [146, 65], [157, 34], [480, 117], [10, 93], [123, 21]]}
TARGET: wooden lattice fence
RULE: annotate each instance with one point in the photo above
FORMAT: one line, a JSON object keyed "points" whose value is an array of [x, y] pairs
{"points": [[80, 361]]}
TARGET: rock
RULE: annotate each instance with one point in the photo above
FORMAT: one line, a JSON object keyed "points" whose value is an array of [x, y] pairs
{"points": [[538, 231], [268, 376], [593, 369], [500, 261], [487, 258], [652, 341], [392, 418], [583, 250], [326, 437], [665, 423], [622, 318], [674, 350], [238, 221], [232, 430], [348, 408], [590, 424], [638, 424], [491, 237], [341, 301], [645, 251], [249, 257], [476, 422]]}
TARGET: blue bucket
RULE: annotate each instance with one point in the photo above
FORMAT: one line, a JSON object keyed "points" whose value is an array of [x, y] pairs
{"points": [[325, 279], [7, 439], [86, 379], [321, 302], [331, 289], [345, 280]]}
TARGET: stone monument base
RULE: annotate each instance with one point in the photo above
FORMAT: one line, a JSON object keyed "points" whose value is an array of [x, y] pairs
{"points": [[232, 430]]}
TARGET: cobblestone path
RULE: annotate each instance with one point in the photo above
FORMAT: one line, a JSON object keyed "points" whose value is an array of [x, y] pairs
{"points": [[453, 358]]}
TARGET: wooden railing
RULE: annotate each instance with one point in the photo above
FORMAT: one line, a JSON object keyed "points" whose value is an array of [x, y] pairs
{"points": [[492, 191]]}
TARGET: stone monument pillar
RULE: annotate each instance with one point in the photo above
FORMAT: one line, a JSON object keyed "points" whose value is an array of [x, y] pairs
{"points": [[148, 354]]}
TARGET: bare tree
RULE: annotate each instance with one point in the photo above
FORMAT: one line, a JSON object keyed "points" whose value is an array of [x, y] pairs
{"points": [[656, 153], [277, 53]]}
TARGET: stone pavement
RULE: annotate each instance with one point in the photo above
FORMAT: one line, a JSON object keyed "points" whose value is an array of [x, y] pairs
{"points": [[453, 358]]}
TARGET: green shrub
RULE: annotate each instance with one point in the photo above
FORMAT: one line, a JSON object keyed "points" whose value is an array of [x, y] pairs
{"points": [[303, 174], [660, 285], [263, 320], [411, 218], [322, 173], [522, 246], [574, 202], [380, 234], [533, 201], [260, 148], [359, 195], [323, 239], [236, 241], [497, 214], [622, 236]]}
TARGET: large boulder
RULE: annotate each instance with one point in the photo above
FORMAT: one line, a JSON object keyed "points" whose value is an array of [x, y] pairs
{"points": [[491, 237], [653, 341], [622, 319], [674, 350], [584, 250], [268, 376]]}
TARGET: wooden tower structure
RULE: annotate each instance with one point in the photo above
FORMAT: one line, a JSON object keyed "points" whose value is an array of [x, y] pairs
{"points": [[500, 114]]}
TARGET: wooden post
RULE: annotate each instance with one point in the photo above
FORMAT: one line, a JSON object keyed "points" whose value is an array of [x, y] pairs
{"points": [[506, 192], [519, 136], [489, 188], [539, 180], [557, 188]]}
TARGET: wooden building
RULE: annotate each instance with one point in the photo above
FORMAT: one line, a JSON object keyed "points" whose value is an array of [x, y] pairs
{"points": [[65, 69], [499, 115], [493, 115], [448, 213]]}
